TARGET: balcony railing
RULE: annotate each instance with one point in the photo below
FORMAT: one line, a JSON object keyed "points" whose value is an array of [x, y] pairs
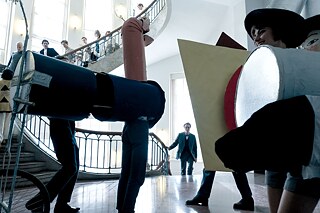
{"points": [[109, 44], [100, 152]]}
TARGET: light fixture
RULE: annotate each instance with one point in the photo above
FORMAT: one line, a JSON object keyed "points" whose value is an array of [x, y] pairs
{"points": [[121, 11], [75, 22], [20, 27]]}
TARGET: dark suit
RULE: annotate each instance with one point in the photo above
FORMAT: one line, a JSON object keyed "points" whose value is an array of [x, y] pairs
{"points": [[186, 153], [50, 52]]}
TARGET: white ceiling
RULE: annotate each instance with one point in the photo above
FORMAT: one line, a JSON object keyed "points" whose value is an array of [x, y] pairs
{"points": [[204, 20], [197, 20]]}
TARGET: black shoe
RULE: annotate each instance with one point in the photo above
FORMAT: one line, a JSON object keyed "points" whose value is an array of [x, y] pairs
{"points": [[245, 204], [35, 204], [197, 201], [65, 208]]}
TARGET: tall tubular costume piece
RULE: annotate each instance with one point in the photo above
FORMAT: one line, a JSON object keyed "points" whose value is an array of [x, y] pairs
{"points": [[133, 49], [61, 90], [56, 88], [130, 100], [272, 74]]}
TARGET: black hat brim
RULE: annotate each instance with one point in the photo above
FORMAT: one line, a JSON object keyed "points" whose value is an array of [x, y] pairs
{"points": [[288, 24], [312, 23]]}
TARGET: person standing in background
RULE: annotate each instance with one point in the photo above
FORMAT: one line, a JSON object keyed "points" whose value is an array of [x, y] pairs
{"points": [[187, 149], [15, 57], [98, 51], [140, 7], [67, 49], [51, 52], [86, 53]]}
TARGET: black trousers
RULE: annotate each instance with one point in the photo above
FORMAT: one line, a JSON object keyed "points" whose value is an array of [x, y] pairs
{"points": [[62, 134], [207, 182]]}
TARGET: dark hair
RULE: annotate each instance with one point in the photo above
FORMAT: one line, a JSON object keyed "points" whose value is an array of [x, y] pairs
{"points": [[64, 41], [140, 4], [184, 125], [84, 37], [97, 32], [44, 40]]}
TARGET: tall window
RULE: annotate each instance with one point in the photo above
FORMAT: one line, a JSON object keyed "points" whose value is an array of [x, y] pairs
{"points": [[49, 22], [181, 109], [97, 16], [4, 20]]}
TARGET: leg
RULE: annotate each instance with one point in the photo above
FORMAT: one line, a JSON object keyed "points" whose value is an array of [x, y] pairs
{"points": [[125, 169], [246, 203], [205, 189], [299, 195], [136, 134], [242, 184], [275, 183], [183, 165], [6, 126], [296, 203], [190, 165], [67, 152], [274, 197], [2, 125]]}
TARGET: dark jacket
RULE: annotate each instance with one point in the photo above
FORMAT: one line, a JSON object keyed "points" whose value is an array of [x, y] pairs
{"points": [[14, 59], [50, 52], [181, 142]]}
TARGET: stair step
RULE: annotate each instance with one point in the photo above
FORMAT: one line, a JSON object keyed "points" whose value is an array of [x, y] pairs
{"points": [[44, 177], [24, 157], [31, 167], [14, 147]]}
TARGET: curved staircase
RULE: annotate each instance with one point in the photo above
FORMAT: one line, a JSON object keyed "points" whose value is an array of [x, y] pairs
{"points": [[42, 164]]}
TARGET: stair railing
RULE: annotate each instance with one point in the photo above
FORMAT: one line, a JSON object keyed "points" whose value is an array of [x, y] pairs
{"points": [[100, 152], [111, 42]]}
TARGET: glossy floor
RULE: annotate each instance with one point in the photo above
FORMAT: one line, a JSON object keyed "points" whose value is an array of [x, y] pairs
{"points": [[167, 194]]}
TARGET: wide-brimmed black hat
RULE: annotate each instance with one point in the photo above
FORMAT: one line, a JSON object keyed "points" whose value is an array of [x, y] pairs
{"points": [[286, 24], [312, 23]]}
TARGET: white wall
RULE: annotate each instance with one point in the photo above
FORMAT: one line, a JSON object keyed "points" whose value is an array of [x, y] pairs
{"points": [[161, 72]]}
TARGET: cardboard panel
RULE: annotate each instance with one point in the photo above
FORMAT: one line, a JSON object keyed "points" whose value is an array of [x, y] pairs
{"points": [[208, 69]]}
